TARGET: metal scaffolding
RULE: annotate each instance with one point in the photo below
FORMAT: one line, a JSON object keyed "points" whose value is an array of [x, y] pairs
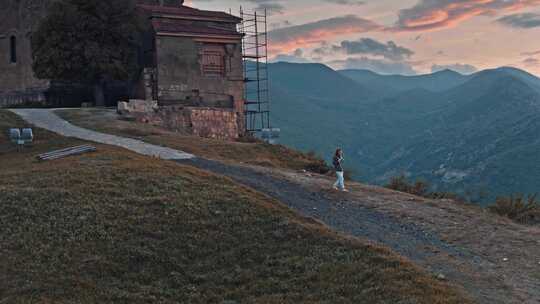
{"points": [[254, 29]]}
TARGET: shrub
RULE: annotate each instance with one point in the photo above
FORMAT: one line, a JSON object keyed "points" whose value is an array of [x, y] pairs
{"points": [[249, 139], [349, 174], [318, 166], [398, 183], [312, 154], [446, 195], [402, 184], [522, 209], [420, 188]]}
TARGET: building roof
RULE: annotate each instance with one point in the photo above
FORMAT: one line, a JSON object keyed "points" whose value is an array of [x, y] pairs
{"points": [[186, 12], [164, 26]]}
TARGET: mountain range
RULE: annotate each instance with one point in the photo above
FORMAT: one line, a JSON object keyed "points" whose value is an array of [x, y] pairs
{"points": [[468, 134]]}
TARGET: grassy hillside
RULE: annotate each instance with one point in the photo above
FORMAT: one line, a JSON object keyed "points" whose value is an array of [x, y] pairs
{"points": [[113, 226]]}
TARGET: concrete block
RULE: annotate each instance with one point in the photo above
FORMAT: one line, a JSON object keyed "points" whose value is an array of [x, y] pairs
{"points": [[123, 107], [142, 106]]}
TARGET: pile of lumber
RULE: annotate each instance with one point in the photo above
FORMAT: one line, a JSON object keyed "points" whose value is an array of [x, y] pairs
{"points": [[66, 152]]}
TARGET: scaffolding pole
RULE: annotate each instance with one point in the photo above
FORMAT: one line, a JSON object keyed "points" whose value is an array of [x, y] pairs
{"points": [[254, 29]]}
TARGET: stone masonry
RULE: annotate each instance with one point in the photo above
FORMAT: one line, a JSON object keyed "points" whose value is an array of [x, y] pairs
{"points": [[17, 82], [199, 121]]}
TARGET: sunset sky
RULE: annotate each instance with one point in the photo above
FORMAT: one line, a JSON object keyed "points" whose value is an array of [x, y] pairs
{"points": [[401, 36]]}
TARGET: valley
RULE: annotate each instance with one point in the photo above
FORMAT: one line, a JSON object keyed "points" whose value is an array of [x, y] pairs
{"points": [[475, 135]]}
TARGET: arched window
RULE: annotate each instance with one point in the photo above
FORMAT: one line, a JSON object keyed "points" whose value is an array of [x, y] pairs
{"points": [[13, 49]]}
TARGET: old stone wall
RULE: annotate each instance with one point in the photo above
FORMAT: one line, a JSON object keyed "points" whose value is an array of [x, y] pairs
{"points": [[17, 81], [18, 84], [181, 78], [204, 122], [22, 98], [214, 123]]}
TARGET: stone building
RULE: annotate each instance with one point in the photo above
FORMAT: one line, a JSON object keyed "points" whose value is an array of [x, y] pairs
{"points": [[17, 82], [191, 64], [194, 69]]}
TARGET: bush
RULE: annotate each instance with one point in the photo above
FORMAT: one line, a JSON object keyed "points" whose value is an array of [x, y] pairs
{"points": [[446, 195], [520, 208], [249, 138], [349, 174], [524, 210], [420, 188], [318, 166], [402, 184]]}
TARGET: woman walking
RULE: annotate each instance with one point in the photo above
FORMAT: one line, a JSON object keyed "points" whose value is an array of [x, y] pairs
{"points": [[337, 162]]}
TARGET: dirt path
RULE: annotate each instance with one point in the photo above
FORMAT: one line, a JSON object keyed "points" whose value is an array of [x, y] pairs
{"points": [[495, 260], [47, 119]]}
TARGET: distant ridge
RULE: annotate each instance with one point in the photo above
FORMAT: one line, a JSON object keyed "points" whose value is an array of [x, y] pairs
{"points": [[462, 133], [438, 81]]}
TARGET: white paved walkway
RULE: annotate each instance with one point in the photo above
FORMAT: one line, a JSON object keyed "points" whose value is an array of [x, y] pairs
{"points": [[47, 119]]}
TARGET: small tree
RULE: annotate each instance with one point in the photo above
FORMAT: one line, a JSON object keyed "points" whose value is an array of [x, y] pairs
{"points": [[87, 41]]}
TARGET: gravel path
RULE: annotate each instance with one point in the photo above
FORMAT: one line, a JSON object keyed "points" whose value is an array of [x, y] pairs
{"points": [[404, 238], [474, 271], [46, 119]]}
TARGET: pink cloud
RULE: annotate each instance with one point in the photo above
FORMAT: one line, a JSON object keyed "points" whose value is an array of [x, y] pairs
{"points": [[438, 14]]}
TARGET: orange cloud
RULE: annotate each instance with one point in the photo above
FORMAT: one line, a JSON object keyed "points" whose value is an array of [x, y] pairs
{"points": [[433, 15]]}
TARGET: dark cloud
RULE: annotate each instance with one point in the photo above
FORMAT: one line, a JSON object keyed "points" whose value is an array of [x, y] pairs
{"points": [[380, 57], [458, 67], [436, 14], [324, 49], [379, 66], [347, 2], [276, 25], [297, 56], [526, 20], [368, 46], [530, 53], [286, 39], [270, 6], [531, 62]]}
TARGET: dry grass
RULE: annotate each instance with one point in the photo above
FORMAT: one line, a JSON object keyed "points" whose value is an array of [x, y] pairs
{"points": [[420, 188], [522, 209], [402, 184], [254, 153], [116, 227], [519, 208]]}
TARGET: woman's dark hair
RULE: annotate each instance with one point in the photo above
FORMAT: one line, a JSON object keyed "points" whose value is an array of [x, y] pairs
{"points": [[338, 152]]}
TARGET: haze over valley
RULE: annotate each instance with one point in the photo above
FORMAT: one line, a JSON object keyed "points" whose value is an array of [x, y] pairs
{"points": [[471, 134]]}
